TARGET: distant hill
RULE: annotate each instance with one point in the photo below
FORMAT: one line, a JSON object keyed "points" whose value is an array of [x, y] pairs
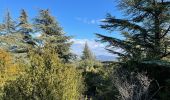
{"points": [[105, 58]]}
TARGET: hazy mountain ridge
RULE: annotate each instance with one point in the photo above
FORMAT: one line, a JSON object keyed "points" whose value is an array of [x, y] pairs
{"points": [[105, 58]]}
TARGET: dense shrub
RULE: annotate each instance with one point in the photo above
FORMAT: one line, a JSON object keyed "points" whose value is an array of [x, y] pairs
{"points": [[46, 79], [8, 69]]}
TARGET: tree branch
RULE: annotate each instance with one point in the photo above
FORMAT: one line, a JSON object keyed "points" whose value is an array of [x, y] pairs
{"points": [[115, 42], [165, 32], [123, 23], [164, 55], [118, 53]]}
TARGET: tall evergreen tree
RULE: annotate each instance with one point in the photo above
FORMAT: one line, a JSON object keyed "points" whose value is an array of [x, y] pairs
{"points": [[9, 24], [146, 29], [25, 27], [53, 34], [87, 54]]}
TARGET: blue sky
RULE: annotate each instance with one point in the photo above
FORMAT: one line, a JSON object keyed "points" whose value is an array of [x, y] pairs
{"points": [[79, 18]]}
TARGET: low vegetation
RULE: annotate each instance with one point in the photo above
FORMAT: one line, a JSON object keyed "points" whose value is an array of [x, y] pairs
{"points": [[36, 62]]}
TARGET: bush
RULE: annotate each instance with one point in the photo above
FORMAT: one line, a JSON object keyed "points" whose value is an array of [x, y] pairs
{"points": [[46, 79], [8, 70]]}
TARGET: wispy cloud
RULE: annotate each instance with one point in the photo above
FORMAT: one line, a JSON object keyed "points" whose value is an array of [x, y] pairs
{"points": [[88, 21]]}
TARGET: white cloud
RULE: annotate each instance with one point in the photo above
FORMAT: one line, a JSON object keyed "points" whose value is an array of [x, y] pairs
{"points": [[88, 21], [96, 47]]}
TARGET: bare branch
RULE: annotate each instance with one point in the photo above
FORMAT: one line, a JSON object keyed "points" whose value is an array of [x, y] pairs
{"points": [[132, 86]]}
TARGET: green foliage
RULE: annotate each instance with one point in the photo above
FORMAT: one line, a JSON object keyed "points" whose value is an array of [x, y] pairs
{"points": [[87, 54], [46, 79], [145, 29], [8, 69], [24, 27], [9, 25], [88, 61], [46, 76], [24, 38], [53, 34], [98, 80], [19, 41], [97, 77]]}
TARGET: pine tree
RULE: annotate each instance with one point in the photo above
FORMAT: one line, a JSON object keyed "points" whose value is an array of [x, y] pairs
{"points": [[21, 41], [92, 72], [145, 29], [87, 54], [25, 28], [53, 34], [88, 61], [9, 24], [23, 20]]}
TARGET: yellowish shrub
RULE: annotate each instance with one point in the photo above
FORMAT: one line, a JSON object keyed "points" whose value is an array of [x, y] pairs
{"points": [[8, 69], [47, 79]]}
